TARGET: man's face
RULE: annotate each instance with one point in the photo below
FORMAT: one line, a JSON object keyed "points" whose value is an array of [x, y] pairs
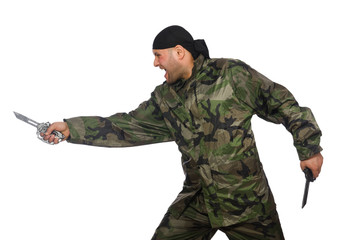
{"points": [[167, 60]]}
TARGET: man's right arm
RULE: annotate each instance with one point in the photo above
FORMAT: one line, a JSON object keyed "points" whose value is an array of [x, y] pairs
{"points": [[144, 125], [275, 103]]}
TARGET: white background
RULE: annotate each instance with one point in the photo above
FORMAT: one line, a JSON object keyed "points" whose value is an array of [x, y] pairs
{"points": [[60, 59]]}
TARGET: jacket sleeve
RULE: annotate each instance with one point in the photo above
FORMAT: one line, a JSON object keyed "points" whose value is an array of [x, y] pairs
{"points": [[144, 125], [274, 103]]}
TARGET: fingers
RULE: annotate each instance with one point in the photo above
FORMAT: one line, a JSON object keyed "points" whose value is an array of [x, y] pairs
{"points": [[51, 138], [314, 164], [48, 136], [51, 128], [57, 126], [316, 172]]}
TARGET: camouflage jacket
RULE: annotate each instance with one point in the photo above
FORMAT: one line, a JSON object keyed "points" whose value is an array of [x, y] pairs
{"points": [[209, 117]]}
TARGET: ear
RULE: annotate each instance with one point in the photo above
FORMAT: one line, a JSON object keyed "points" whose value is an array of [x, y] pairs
{"points": [[180, 51]]}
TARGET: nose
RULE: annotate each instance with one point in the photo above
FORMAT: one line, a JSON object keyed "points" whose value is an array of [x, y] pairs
{"points": [[155, 62]]}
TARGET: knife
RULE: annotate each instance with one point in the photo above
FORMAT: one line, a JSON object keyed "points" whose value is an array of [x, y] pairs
{"points": [[41, 127]]}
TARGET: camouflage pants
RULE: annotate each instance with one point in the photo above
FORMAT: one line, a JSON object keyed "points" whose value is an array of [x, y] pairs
{"points": [[194, 225]]}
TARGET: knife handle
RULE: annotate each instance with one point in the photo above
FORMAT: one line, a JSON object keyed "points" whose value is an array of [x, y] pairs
{"points": [[308, 174]]}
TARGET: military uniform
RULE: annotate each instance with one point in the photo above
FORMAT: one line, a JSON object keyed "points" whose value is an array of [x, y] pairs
{"points": [[209, 117]]}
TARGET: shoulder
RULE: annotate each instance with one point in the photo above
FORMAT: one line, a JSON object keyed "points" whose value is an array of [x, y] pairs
{"points": [[228, 64]]}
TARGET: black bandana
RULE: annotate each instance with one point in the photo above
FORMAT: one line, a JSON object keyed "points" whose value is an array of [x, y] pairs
{"points": [[176, 35]]}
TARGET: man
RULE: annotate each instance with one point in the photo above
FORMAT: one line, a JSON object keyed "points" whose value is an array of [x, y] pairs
{"points": [[206, 106]]}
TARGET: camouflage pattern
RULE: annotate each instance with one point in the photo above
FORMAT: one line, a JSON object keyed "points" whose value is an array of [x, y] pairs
{"points": [[194, 224], [209, 117]]}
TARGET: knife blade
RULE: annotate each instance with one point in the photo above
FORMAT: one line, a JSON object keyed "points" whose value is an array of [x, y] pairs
{"points": [[308, 179]]}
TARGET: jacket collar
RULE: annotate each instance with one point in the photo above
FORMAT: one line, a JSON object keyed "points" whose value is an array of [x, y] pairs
{"points": [[181, 83]]}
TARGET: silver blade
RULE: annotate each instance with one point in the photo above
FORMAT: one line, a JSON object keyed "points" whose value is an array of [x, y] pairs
{"points": [[26, 119]]}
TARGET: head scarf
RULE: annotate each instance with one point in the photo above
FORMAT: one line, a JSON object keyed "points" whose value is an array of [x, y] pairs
{"points": [[176, 35]]}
